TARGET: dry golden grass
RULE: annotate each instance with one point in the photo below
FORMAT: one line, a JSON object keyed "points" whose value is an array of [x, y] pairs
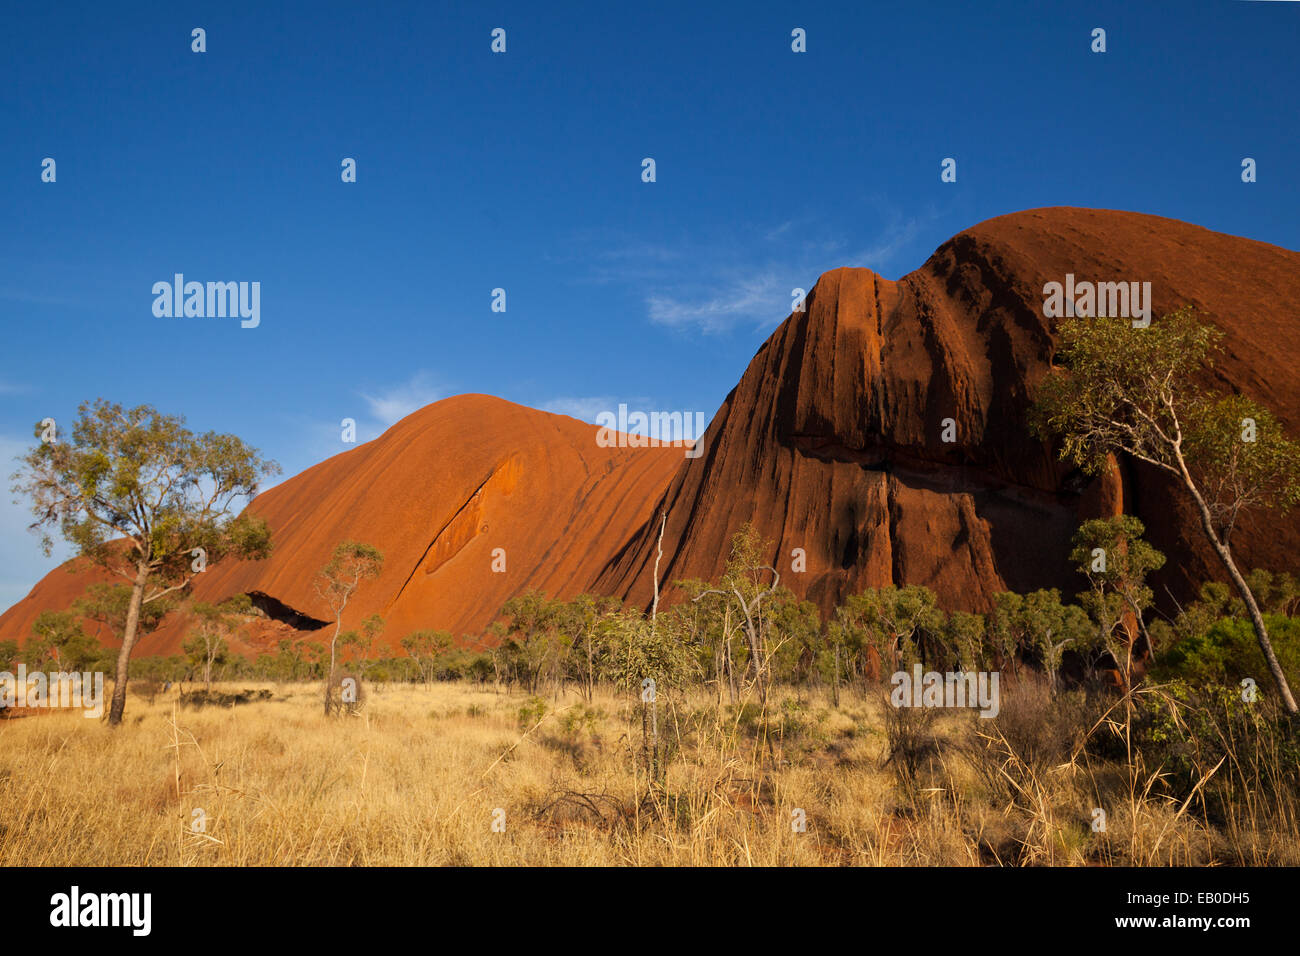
{"points": [[415, 781]]}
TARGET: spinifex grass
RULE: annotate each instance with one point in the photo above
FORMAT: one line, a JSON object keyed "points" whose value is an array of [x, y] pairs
{"points": [[416, 779]]}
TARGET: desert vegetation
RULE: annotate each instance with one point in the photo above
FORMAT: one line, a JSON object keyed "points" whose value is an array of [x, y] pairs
{"points": [[731, 723], [1183, 778], [767, 739]]}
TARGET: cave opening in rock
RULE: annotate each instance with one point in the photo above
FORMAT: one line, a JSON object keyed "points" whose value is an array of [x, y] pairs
{"points": [[279, 611]]}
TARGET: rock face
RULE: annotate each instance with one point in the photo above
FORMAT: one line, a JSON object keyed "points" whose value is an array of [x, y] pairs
{"points": [[835, 442], [437, 493]]}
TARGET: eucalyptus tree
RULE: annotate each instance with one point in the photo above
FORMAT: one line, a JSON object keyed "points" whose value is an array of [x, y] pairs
{"points": [[137, 493]]}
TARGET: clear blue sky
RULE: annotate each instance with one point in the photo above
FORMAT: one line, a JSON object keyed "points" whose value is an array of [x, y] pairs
{"points": [[523, 171]]}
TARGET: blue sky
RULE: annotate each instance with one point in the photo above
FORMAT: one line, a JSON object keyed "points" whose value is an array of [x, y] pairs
{"points": [[522, 171]]}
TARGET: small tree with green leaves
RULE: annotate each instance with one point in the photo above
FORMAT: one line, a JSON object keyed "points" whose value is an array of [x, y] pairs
{"points": [[1051, 628], [795, 633], [363, 640], [535, 642], [746, 582], [59, 639], [1005, 630], [1135, 391], [426, 648], [109, 605], [1112, 555], [351, 564], [964, 634], [903, 626], [208, 643], [142, 496], [289, 660]]}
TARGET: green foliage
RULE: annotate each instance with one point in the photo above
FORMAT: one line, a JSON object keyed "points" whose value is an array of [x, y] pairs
{"points": [[795, 633], [736, 613], [1005, 634], [1036, 626], [140, 475], [1112, 555], [427, 648], [964, 635], [207, 646], [108, 604], [889, 629], [535, 641], [139, 494], [580, 719], [743, 625], [1240, 458], [363, 641], [1125, 388], [1276, 593], [1138, 392], [199, 649], [1211, 640], [349, 565], [1190, 728], [1126, 559], [746, 570], [59, 643], [1051, 628], [638, 649], [531, 712], [550, 641], [1226, 651], [156, 669]]}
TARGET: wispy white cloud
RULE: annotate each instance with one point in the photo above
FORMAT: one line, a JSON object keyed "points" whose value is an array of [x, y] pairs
{"points": [[750, 297], [583, 409], [891, 240], [314, 438], [745, 277], [394, 402]]}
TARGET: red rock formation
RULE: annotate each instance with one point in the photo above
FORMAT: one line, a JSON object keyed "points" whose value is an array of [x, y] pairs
{"points": [[832, 442], [437, 493]]}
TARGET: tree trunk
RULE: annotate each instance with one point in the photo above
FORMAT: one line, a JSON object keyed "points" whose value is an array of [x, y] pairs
{"points": [[1252, 607], [756, 653], [329, 676], [730, 661], [719, 669], [654, 610], [129, 635], [835, 687]]}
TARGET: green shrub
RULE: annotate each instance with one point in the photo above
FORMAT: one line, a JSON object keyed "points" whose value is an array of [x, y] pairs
{"points": [[1227, 652]]}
